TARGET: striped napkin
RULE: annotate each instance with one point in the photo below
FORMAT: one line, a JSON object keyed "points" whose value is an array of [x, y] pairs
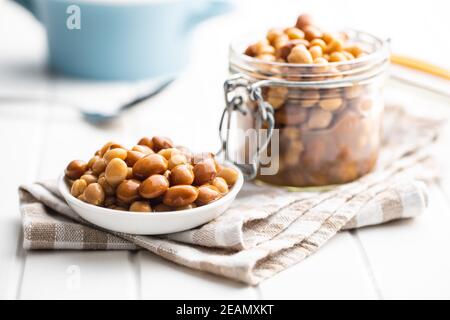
{"points": [[267, 229]]}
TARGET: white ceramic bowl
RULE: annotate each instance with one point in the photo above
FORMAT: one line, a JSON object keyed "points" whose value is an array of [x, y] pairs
{"points": [[154, 222]]}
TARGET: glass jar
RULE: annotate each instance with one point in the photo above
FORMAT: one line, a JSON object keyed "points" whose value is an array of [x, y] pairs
{"points": [[327, 117]]}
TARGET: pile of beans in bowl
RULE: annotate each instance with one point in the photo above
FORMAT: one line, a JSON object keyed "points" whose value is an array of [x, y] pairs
{"points": [[152, 176]]}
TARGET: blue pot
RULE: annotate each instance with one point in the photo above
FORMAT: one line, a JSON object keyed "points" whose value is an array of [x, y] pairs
{"points": [[120, 40]]}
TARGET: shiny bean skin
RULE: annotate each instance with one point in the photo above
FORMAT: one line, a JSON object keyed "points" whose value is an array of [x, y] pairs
{"points": [[154, 186], [94, 194], [204, 171], [128, 191], [182, 174], [149, 165], [76, 169], [207, 194], [178, 196], [116, 171]]}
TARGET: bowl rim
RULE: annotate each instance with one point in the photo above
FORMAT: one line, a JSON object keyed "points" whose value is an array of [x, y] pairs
{"points": [[64, 190]]}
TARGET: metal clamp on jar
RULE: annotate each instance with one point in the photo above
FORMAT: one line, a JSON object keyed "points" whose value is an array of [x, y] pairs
{"points": [[327, 118]]}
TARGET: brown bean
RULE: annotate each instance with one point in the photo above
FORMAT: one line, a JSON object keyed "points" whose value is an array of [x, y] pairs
{"points": [[99, 166], [140, 206], [130, 173], [133, 156], [161, 143], [76, 169], [89, 178], [221, 184], [299, 54], [272, 34], [204, 171], [312, 33], [107, 188], [149, 165], [94, 194], [175, 160], [182, 174], [229, 174], [128, 191], [146, 141], [161, 207], [108, 146], [92, 161], [178, 196], [167, 153], [143, 149], [153, 186], [78, 187], [337, 57], [115, 153], [207, 194], [116, 171], [319, 42], [294, 33], [316, 52], [330, 104], [303, 21], [319, 119]]}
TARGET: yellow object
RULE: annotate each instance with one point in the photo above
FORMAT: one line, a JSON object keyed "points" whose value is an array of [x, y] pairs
{"points": [[420, 65]]}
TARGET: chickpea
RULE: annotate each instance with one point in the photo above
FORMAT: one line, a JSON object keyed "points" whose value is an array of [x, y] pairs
{"points": [[299, 54], [107, 188], [133, 156], [335, 45], [176, 160], [204, 171], [143, 149], [266, 57], [149, 165], [294, 33], [161, 143], [92, 161], [279, 42], [331, 104], [162, 208], [108, 146], [146, 141], [167, 153], [221, 184], [182, 174], [312, 33], [355, 50], [76, 169], [128, 191], [229, 174], [319, 42], [272, 34], [319, 119], [316, 52], [276, 96], [99, 166], [337, 57], [309, 98], [154, 186], [303, 21], [115, 153], [116, 171], [89, 178], [94, 194], [207, 194], [78, 187], [140, 206], [320, 60], [178, 196], [284, 51]]}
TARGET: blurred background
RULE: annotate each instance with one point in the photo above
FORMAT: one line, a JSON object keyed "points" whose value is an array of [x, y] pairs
{"points": [[416, 28]]}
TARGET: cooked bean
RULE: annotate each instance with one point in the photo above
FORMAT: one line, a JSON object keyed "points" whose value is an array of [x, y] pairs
{"points": [[89, 178], [94, 194], [116, 171], [204, 171], [154, 186], [229, 174], [143, 149], [303, 21], [146, 141], [78, 187], [182, 174], [99, 166], [115, 153], [149, 165], [299, 54], [107, 188], [140, 206], [207, 194], [161, 143], [76, 169], [178, 196], [128, 191], [221, 184], [133, 156]]}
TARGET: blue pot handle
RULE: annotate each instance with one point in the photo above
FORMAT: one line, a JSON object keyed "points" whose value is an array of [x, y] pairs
{"points": [[208, 9], [29, 5]]}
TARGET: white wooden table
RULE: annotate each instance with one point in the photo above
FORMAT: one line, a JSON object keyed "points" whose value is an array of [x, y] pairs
{"points": [[408, 259]]}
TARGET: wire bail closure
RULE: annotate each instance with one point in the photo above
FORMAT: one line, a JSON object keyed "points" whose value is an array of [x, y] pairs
{"points": [[263, 115]]}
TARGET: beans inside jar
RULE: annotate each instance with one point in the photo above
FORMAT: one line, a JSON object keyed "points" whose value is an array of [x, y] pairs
{"points": [[329, 117], [152, 176]]}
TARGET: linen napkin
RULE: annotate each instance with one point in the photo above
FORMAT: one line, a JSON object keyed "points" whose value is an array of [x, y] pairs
{"points": [[267, 229]]}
